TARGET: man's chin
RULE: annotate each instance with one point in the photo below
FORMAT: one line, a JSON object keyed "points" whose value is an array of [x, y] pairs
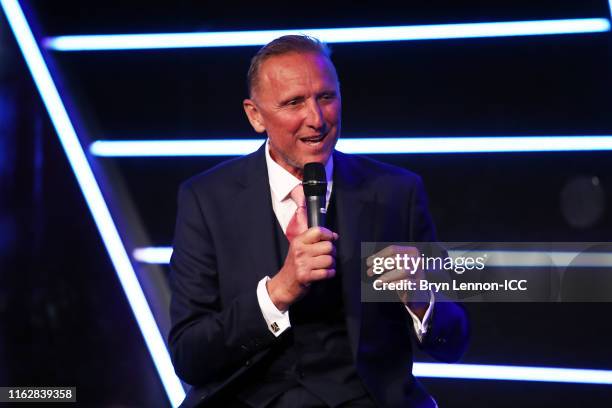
{"points": [[320, 155], [317, 158]]}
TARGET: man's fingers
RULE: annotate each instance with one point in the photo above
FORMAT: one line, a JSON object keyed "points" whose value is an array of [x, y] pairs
{"points": [[323, 262], [322, 248], [321, 274], [407, 272], [391, 251], [316, 234], [396, 274], [386, 252]]}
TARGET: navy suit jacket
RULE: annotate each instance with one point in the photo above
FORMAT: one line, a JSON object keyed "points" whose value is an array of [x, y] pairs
{"points": [[224, 245]]}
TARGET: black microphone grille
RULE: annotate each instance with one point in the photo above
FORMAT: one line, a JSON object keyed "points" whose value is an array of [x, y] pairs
{"points": [[315, 181]]}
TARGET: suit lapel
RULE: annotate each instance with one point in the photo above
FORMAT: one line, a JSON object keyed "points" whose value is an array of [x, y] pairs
{"points": [[257, 217]]}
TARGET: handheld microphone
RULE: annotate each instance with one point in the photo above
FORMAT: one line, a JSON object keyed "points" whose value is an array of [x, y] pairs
{"points": [[315, 189]]}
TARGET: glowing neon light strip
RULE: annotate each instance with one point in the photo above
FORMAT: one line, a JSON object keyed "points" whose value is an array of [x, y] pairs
{"points": [[94, 199], [512, 373], [540, 259], [153, 255], [406, 145], [161, 255], [329, 35]]}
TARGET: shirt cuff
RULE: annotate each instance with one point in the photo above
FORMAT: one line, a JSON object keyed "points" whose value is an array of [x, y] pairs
{"points": [[421, 327], [276, 320]]}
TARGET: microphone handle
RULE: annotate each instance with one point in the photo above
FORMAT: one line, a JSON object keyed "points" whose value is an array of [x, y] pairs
{"points": [[315, 206]]}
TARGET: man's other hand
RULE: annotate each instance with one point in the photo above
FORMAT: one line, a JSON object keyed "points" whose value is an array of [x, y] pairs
{"points": [[417, 300]]}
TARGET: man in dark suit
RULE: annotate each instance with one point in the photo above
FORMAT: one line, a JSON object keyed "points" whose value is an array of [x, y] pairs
{"points": [[266, 312]]}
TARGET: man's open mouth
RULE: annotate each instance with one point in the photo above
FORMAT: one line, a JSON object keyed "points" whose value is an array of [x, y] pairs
{"points": [[313, 140]]}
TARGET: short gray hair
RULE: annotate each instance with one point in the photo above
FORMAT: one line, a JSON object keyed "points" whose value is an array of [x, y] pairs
{"points": [[286, 44]]}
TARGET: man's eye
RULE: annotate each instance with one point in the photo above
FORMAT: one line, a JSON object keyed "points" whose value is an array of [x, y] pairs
{"points": [[293, 102]]}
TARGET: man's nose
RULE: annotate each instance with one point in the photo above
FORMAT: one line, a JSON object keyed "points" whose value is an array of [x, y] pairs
{"points": [[314, 115]]}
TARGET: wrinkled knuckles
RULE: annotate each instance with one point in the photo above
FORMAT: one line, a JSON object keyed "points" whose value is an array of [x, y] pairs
{"points": [[299, 250]]}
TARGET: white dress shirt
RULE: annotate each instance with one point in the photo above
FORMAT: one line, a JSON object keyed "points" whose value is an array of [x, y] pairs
{"points": [[281, 184]]}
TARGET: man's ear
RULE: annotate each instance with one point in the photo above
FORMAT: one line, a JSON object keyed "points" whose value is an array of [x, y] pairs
{"points": [[254, 116]]}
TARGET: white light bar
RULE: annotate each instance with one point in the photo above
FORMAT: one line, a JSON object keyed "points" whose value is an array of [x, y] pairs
{"points": [[153, 255], [161, 255], [512, 373], [329, 35], [541, 259], [171, 148], [405, 145], [94, 199]]}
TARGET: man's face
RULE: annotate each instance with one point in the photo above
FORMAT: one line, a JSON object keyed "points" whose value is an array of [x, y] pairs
{"points": [[297, 103]]}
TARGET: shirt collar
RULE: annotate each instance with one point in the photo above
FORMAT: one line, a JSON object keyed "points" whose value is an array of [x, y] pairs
{"points": [[282, 182]]}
